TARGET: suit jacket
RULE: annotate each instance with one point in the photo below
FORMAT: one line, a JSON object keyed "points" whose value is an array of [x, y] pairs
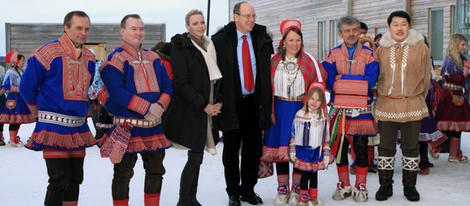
{"points": [[225, 42]]}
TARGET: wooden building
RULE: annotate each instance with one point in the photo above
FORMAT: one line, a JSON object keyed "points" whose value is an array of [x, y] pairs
{"points": [[24, 38], [433, 18]]}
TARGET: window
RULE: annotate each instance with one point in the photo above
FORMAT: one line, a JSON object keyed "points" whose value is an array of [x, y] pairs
{"points": [[437, 34], [322, 50], [333, 34]]}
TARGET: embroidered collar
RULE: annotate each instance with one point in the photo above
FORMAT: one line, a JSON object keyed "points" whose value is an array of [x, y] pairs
{"points": [[345, 50], [132, 50], [69, 47]]}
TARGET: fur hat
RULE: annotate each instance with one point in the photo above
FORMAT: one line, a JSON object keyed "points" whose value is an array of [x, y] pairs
{"points": [[287, 24], [12, 58]]}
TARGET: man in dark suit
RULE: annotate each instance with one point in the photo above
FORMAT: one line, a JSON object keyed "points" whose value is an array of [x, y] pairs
{"points": [[243, 53]]}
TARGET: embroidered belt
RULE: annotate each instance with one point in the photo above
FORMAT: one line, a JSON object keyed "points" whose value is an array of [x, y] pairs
{"points": [[292, 99], [142, 123], [360, 110], [453, 86], [60, 119]]}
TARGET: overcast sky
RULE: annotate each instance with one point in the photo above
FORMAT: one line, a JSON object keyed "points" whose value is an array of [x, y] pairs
{"points": [[171, 12]]}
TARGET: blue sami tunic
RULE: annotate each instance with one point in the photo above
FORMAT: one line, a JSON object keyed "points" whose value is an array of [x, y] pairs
{"points": [[134, 80], [57, 81]]}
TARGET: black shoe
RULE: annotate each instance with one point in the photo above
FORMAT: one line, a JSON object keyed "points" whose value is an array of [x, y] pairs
{"points": [[253, 199], [2, 143], [372, 169], [234, 201], [384, 192], [411, 193]]}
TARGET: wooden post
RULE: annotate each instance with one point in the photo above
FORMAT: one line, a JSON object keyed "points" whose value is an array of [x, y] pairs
{"points": [[349, 8], [7, 37], [407, 6]]}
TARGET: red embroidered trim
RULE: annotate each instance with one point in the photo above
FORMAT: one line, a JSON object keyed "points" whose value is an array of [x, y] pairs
{"points": [[453, 126], [117, 61], [78, 153], [352, 87], [308, 166], [361, 127], [68, 46], [55, 154], [164, 100], [340, 56], [350, 101], [61, 154], [56, 140], [140, 144], [17, 118], [280, 154], [75, 79], [145, 78], [139, 105], [47, 53]]}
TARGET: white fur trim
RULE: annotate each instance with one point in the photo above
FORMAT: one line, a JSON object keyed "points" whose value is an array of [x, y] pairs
{"points": [[413, 38]]}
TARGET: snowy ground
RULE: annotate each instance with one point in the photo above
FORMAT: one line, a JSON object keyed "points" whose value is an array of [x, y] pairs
{"points": [[24, 180]]}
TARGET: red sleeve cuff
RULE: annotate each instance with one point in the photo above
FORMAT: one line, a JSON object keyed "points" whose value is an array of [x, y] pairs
{"points": [[164, 100], [139, 105]]}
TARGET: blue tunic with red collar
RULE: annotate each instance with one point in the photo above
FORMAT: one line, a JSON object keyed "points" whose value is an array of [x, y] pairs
{"points": [[135, 79], [57, 81]]}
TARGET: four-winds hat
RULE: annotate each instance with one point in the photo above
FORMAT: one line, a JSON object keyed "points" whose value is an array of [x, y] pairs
{"points": [[320, 85], [287, 24], [12, 58]]}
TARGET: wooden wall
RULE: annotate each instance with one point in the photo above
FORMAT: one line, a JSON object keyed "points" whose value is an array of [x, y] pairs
{"points": [[373, 12], [24, 38]]}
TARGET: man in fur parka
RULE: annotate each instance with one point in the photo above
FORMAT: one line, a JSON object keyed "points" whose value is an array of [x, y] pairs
{"points": [[402, 88]]}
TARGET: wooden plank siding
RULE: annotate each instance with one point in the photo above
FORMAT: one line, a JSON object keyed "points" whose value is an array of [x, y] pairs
{"points": [[24, 38], [373, 12]]}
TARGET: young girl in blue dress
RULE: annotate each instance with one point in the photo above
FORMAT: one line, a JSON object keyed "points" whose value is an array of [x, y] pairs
{"points": [[309, 145]]}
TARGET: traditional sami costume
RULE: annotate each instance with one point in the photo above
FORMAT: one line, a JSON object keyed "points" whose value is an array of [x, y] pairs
{"points": [[453, 110], [17, 112], [55, 86], [309, 135], [144, 81], [135, 79], [290, 81], [352, 64], [351, 100]]}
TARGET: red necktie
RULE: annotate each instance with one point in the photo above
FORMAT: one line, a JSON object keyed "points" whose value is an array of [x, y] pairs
{"points": [[247, 70]]}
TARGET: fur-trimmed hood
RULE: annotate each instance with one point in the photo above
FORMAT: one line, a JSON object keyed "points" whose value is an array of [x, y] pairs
{"points": [[413, 38]]}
